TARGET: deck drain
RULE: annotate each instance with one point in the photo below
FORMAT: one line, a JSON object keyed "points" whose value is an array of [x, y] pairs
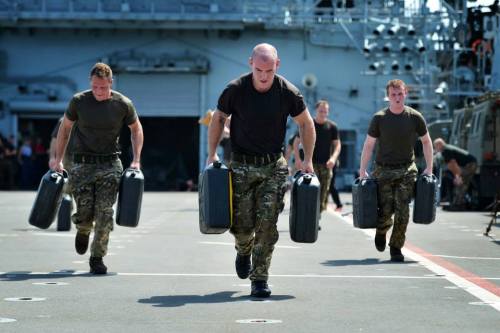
{"points": [[259, 321], [24, 299], [50, 283], [6, 320]]}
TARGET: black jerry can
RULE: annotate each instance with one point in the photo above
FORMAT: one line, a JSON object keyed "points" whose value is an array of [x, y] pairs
{"points": [[128, 209], [305, 208], [64, 214], [424, 208], [47, 199], [365, 203], [215, 199]]}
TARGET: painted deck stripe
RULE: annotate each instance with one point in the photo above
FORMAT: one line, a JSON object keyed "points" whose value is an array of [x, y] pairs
{"points": [[473, 284], [232, 244], [459, 257], [232, 275]]}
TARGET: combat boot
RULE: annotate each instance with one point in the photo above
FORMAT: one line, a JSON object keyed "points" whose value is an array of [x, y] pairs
{"points": [[243, 266], [97, 266], [396, 255], [380, 242], [81, 243], [260, 289]]}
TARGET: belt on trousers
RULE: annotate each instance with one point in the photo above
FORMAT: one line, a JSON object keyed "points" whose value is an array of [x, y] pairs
{"points": [[93, 159], [394, 165], [257, 160]]}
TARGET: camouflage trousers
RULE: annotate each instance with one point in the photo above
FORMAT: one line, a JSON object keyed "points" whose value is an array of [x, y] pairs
{"points": [[467, 174], [395, 191], [258, 193], [324, 175], [95, 188]]}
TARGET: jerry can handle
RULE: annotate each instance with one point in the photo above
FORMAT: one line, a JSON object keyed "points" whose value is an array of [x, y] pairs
{"points": [[217, 164], [298, 173], [132, 171], [363, 180], [431, 176], [307, 179], [56, 177]]}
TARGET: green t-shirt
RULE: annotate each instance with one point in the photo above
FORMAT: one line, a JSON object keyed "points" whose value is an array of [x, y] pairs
{"points": [[396, 134], [98, 123]]}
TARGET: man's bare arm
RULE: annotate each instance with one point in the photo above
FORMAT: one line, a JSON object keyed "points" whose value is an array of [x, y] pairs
{"points": [[366, 155], [335, 155], [308, 137], [215, 130], [137, 138], [428, 152], [61, 143]]}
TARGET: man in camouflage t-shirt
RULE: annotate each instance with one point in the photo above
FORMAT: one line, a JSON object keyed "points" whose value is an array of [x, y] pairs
{"points": [[395, 130], [95, 118]]}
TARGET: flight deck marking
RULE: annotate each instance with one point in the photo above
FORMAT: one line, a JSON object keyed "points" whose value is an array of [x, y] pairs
{"points": [[6, 320], [259, 321], [479, 287], [300, 276], [472, 258], [232, 244]]}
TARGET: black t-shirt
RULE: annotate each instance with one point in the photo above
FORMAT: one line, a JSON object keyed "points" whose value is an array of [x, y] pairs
{"points": [[462, 157], [258, 120], [98, 123], [396, 134], [325, 134]]}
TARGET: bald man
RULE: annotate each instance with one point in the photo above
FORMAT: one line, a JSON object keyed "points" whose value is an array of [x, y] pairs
{"points": [[463, 167], [259, 104]]}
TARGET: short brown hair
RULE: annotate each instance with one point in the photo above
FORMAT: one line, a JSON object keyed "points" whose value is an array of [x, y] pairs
{"points": [[395, 84], [320, 103], [102, 71]]}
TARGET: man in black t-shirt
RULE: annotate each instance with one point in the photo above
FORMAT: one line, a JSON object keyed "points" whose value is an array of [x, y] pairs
{"points": [[259, 104], [462, 165], [326, 151], [395, 129]]}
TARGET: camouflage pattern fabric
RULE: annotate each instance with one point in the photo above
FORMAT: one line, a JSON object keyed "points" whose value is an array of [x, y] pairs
{"points": [[467, 173], [395, 191], [324, 175], [258, 193], [95, 188]]}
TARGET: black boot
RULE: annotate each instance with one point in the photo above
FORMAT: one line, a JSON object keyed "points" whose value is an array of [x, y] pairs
{"points": [[380, 242], [97, 266], [396, 255], [260, 289], [243, 266], [81, 243]]}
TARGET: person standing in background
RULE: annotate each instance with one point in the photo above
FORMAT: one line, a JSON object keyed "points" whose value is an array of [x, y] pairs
{"points": [[326, 151]]}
